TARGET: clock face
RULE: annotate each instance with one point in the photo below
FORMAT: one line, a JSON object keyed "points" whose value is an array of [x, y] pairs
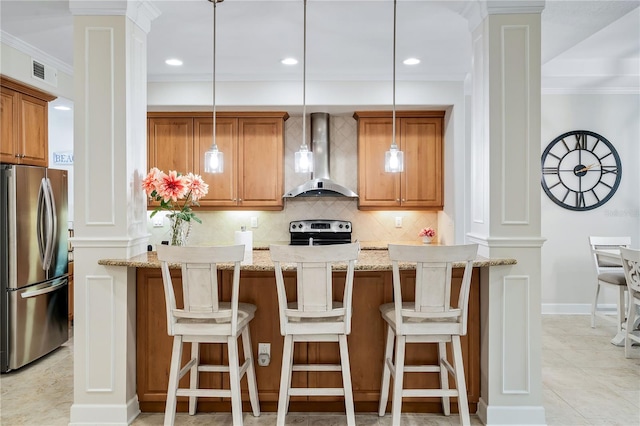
{"points": [[581, 170]]}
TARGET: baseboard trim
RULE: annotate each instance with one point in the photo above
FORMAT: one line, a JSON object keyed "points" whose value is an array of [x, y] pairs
{"points": [[575, 308], [104, 414], [511, 415]]}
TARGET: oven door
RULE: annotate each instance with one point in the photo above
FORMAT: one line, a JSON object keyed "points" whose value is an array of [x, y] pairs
{"points": [[320, 238]]}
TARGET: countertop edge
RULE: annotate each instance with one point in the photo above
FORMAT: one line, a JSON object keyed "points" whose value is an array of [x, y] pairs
{"points": [[369, 260]]}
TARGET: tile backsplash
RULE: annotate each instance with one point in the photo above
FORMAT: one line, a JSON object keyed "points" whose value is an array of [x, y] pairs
{"points": [[273, 226]]}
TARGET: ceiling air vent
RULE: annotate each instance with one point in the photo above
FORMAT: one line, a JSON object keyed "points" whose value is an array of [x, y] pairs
{"points": [[43, 72]]}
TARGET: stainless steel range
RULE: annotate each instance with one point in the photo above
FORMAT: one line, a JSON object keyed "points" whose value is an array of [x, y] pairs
{"points": [[319, 232]]}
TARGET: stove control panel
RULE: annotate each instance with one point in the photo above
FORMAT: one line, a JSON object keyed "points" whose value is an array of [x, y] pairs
{"points": [[319, 225]]}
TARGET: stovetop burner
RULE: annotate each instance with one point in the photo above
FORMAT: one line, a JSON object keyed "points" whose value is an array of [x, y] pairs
{"points": [[320, 232]]}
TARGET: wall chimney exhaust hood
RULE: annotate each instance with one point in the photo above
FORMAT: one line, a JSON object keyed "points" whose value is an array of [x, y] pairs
{"points": [[321, 184]]}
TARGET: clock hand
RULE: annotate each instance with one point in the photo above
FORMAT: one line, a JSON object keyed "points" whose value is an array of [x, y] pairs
{"points": [[584, 169]]}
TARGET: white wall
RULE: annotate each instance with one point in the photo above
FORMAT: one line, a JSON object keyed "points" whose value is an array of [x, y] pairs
{"points": [[568, 273], [61, 141]]}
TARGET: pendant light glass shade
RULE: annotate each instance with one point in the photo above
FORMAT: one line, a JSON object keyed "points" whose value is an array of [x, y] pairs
{"points": [[214, 159], [303, 161], [394, 158]]}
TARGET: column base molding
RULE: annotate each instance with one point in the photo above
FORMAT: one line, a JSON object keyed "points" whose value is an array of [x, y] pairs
{"points": [[104, 414], [510, 415]]}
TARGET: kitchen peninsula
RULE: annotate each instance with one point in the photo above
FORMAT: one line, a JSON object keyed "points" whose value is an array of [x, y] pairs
{"points": [[372, 287]]}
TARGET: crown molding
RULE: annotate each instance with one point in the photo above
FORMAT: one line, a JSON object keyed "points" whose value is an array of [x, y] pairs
{"points": [[35, 53]]}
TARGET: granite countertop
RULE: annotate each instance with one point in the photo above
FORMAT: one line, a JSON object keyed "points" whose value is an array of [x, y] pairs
{"points": [[370, 259]]}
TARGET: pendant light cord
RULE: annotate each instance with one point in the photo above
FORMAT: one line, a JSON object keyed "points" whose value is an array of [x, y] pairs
{"points": [[304, 78], [393, 137], [215, 2]]}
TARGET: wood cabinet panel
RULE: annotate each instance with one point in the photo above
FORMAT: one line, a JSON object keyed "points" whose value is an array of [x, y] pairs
{"points": [[24, 122], [366, 344], [421, 183], [419, 136], [222, 186], [8, 126], [261, 153], [171, 144], [71, 290]]}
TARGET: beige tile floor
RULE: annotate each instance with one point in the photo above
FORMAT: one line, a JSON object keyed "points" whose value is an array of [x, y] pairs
{"points": [[586, 381]]}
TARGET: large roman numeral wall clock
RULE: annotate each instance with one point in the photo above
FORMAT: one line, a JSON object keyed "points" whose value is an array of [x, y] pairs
{"points": [[581, 170]]}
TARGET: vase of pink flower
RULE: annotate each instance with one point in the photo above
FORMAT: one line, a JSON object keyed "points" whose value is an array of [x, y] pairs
{"points": [[427, 235], [176, 194]]}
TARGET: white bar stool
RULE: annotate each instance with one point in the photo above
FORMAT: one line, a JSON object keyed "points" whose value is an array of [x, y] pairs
{"points": [[315, 316], [205, 319], [428, 319]]}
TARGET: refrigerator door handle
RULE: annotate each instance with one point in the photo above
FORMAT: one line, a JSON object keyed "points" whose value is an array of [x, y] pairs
{"points": [[52, 227], [40, 225], [49, 289]]}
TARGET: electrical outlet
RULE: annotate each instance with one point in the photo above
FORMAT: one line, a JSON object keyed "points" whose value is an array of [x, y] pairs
{"points": [[158, 221], [264, 354], [264, 348], [398, 221], [254, 222]]}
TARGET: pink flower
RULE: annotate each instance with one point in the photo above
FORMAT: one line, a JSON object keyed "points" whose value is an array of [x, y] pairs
{"points": [[172, 186], [197, 186], [151, 182], [427, 232]]}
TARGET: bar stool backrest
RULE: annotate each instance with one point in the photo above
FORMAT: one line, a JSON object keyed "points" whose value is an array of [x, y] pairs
{"points": [[434, 265], [631, 264], [200, 283], [314, 281], [606, 243]]}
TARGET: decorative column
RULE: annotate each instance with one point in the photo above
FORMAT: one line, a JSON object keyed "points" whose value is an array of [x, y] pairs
{"points": [[505, 212], [110, 105]]}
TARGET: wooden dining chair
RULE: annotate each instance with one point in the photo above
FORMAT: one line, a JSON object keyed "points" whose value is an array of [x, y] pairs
{"points": [[314, 315], [206, 319], [430, 318], [631, 264], [609, 275]]}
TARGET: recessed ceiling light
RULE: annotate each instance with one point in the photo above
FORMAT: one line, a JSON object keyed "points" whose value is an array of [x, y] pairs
{"points": [[289, 61], [62, 108], [173, 61], [411, 61]]}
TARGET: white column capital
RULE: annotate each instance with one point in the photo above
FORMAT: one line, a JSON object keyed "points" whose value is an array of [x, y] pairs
{"points": [[141, 12], [476, 12]]}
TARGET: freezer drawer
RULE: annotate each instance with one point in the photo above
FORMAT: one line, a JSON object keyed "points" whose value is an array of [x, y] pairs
{"points": [[38, 321]]}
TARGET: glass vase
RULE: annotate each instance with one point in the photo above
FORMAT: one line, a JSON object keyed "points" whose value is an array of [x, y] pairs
{"points": [[427, 240], [179, 230]]}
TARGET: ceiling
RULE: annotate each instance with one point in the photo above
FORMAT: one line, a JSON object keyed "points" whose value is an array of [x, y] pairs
{"points": [[584, 43]]}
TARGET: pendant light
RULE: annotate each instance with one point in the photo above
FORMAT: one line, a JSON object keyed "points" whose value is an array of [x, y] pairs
{"points": [[214, 159], [303, 161], [394, 158]]}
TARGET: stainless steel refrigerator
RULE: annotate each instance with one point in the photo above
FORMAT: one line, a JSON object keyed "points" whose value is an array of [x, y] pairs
{"points": [[33, 263]]}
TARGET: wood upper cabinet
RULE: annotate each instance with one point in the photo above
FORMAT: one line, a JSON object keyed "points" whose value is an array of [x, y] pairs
{"points": [[419, 136], [24, 124], [253, 148]]}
